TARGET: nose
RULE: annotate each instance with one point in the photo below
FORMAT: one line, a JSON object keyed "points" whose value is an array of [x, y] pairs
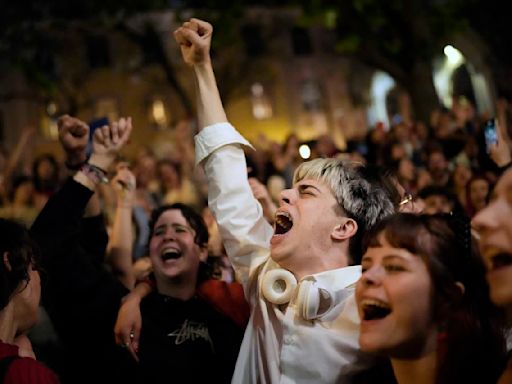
{"points": [[170, 234], [287, 196], [372, 276], [484, 219]]}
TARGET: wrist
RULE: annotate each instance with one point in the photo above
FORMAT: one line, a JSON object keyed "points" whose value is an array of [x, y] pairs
{"points": [[101, 161], [74, 163], [94, 173]]}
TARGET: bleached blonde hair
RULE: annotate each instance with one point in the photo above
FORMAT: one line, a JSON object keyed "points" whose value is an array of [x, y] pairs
{"points": [[358, 196]]}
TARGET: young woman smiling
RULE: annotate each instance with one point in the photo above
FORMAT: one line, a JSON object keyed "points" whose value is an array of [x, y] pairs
{"points": [[424, 302]]}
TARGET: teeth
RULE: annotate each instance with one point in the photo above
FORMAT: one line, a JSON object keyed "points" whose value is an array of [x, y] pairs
{"points": [[374, 302], [374, 309], [283, 221], [170, 253]]}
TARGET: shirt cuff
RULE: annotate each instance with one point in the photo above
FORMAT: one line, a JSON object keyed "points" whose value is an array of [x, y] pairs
{"points": [[215, 136]]}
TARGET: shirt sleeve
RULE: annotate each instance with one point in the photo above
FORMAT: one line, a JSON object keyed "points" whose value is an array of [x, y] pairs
{"points": [[245, 232]]}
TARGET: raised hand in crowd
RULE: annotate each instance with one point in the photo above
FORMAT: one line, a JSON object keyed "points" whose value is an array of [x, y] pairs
{"points": [[120, 246], [194, 38], [501, 152], [261, 194], [108, 141], [73, 137]]}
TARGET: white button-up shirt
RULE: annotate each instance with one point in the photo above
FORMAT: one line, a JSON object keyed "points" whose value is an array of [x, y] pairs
{"points": [[279, 345]]}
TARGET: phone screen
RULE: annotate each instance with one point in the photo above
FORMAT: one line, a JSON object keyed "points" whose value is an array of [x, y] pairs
{"points": [[491, 136]]}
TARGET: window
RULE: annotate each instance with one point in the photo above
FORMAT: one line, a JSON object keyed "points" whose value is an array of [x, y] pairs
{"points": [[301, 41], [98, 51], [254, 44]]}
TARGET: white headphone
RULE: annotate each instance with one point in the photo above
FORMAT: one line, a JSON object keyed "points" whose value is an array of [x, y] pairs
{"points": [[279, 285]]}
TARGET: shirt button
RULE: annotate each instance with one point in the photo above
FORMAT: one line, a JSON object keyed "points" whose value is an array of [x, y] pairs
{"points": [[289, 339]]}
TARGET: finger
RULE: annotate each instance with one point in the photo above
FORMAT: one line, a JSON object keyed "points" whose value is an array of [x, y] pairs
{"points": [[180, 39], [62, 120], [98, 136], [191, 37], [125, 135], [79, 129], [133, 352], [114, 130], [135, 335], [191, 25], [204, 28], [105, 130]]}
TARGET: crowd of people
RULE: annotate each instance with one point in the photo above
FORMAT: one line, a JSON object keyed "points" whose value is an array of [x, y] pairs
{"points": [[387, 262]]}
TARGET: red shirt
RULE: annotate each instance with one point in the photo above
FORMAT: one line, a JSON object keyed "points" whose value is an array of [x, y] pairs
{"points": [[25, 370]]}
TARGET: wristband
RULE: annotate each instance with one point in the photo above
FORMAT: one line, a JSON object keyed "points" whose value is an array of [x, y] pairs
{"points": [[94, 173]]}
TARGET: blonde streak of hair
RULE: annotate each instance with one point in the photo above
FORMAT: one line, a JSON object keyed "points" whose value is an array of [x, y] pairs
{"points": [[326, 170]]}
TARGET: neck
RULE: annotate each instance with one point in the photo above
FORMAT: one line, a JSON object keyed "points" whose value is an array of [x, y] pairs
{"points": [[416, 371], [330, 260], [7, 324], [178, 288]]}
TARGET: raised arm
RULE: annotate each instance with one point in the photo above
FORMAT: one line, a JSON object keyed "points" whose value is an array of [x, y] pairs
{"points": [[120, 246], [244, 230], [194, 38]]}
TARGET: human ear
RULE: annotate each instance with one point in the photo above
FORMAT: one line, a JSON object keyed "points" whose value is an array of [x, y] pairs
{"points": [[6, 262], [344, 230], [460, 287]]}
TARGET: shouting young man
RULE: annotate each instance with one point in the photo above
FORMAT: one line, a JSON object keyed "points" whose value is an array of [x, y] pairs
{"points": [[304, 324]]}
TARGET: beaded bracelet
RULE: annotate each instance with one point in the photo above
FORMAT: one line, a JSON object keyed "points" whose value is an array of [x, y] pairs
{"points": [[94, 173]]}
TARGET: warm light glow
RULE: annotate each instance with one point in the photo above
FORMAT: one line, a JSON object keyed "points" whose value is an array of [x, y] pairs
{"points": [[158, 112], [304, 151], [51, 108], [261, 107]]}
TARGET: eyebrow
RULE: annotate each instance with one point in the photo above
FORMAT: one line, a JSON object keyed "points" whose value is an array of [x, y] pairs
{"points": [[387, 257], [174, 225], [303, 187]]}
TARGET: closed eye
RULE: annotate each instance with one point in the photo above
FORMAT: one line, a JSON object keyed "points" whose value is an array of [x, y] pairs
{"points": [[306, 190], [159, 231], [394, 268]]}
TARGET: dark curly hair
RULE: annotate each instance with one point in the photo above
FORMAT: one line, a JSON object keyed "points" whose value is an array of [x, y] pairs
{"points": [[196, 222], [22, 254]]}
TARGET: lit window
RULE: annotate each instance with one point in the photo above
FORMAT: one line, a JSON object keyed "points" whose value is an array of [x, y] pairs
{"points": [[261, 106]]}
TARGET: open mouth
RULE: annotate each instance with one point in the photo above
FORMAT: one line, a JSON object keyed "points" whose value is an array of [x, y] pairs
{"points": [[501, 260], [171, 254], [283, 223], [374, 309]]}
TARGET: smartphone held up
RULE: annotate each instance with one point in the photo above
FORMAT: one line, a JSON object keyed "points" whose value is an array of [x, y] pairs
{"points": [[490, 134]]}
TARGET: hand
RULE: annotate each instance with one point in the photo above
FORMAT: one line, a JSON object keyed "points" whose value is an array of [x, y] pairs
{"points": [[194, 38], [24, 346], [124, 184], [108, 141], [261, 194], [258, 190], [73, 136], [128, 324], [500, 152]]}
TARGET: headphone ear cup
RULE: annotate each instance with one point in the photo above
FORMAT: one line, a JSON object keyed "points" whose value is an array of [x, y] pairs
{"points": [[278, 286], [312, 301], [308, 300]]}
